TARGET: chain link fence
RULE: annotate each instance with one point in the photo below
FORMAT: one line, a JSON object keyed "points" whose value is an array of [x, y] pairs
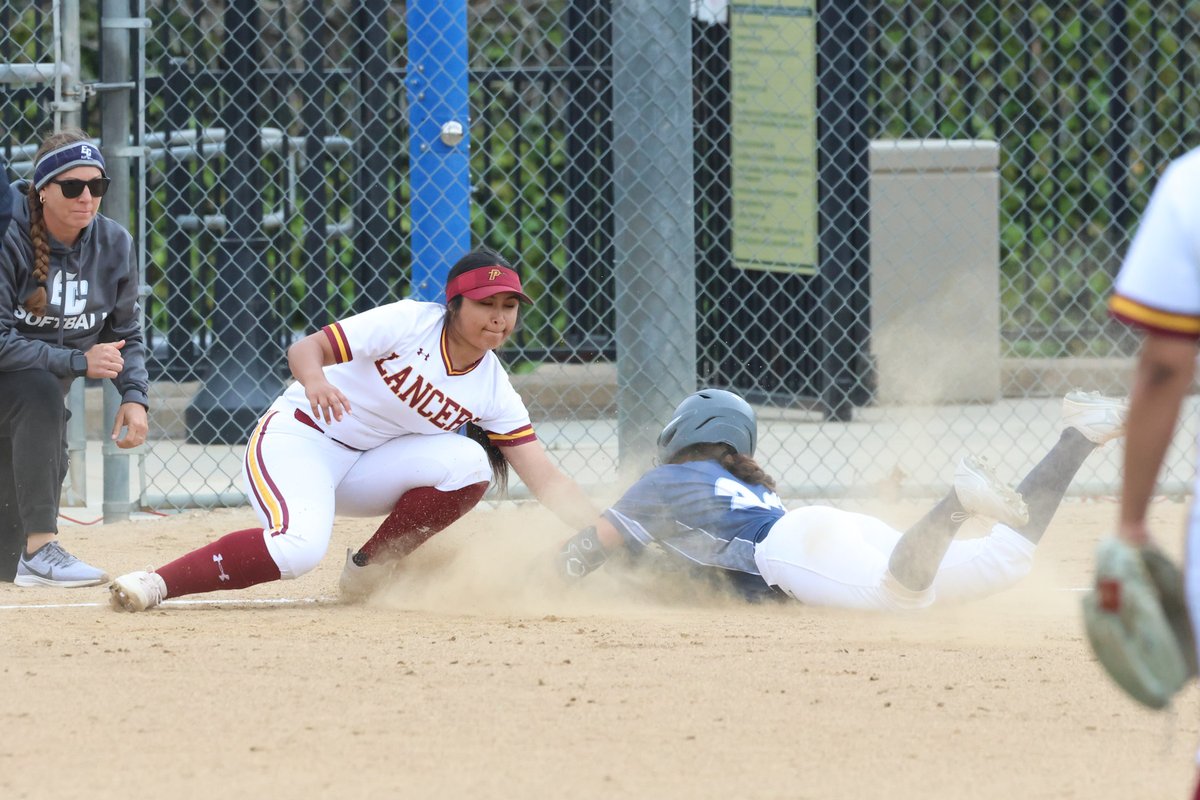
{"points": [[896, 222]]}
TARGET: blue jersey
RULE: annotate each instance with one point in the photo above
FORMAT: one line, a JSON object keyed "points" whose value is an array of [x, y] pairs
{"points": [[699, 512]]}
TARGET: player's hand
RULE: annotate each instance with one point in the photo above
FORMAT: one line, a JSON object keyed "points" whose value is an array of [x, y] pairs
{"points": [[326, 400], [105, 360], [131, 417], [579, 555]]}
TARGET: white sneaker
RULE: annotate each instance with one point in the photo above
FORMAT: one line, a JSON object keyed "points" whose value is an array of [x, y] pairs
{"points": [[137, 591], [358, 583], [1101, 419], [983, 494]]}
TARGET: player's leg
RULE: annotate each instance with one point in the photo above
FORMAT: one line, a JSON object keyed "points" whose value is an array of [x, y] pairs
{"points": [[1089, 421], [980, 567], [1191, 567], [422, 483], [828, 557], [291, 471], [1191, 581], [33, 413], [12, 532], [917, 557]]}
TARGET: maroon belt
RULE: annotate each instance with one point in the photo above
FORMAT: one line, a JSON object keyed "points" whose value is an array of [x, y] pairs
{"points": [[307, 420]]}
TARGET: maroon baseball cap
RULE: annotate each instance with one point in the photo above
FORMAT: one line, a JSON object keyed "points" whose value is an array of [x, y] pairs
{"points": [[482, 282]]}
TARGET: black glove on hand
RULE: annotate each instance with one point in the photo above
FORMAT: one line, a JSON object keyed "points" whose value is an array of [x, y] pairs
{"points": [[581, 554]]}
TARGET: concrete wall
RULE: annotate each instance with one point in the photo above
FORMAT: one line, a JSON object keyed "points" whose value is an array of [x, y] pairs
{"points": [[935, 271]]}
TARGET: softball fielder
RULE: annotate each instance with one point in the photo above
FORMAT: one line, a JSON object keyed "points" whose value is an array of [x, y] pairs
{"points": [[712, 509], [403, 410], [1158, 291]]}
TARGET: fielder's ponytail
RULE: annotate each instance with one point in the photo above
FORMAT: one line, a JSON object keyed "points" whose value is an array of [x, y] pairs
{"points": [[495, 457]]}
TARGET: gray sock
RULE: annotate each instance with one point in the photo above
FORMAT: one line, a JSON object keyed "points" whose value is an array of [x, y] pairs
{"points": [[915, 559], [1046, 484]]}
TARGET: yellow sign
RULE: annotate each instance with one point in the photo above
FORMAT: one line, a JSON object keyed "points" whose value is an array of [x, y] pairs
{"points": [[774, 75]]}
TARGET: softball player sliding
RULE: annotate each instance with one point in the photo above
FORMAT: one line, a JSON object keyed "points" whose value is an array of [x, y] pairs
{"points": [[374, 425], [712, 509]]}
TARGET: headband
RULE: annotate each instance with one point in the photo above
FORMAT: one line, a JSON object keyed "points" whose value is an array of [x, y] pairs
{"points": [[75, 154], [484, 282]]}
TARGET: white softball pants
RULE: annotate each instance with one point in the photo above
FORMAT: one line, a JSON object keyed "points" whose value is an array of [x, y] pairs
{"points": [[827, 557], [298, 479], [1191, 568]]}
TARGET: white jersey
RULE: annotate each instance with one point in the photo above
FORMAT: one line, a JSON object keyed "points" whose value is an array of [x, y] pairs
{"points": [[393, 366], [1158, 288]]}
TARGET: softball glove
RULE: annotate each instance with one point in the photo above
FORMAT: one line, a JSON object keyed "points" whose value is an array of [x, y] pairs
{"points": [[1137, 622]]}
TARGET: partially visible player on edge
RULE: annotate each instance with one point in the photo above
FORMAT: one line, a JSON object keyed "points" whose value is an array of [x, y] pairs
{"points": [[372, 426], [713, 510], [1158, 290]]}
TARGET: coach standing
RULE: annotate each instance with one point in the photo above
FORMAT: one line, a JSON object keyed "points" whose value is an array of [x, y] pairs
{"points": [[1158, 290], [68, 309]]}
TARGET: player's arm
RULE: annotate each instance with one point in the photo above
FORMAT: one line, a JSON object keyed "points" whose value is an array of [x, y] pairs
{"points": [[549, 485], [307, 359], [1164, 373]]}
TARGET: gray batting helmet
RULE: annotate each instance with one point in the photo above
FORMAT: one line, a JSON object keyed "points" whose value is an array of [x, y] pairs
{"points": [[709, 416]]}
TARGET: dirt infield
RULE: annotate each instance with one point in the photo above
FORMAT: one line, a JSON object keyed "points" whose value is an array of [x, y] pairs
{"points": [[472, 676]]}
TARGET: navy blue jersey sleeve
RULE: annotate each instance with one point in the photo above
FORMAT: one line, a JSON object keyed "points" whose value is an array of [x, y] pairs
{"points": [[641, 515], [697, 512]]}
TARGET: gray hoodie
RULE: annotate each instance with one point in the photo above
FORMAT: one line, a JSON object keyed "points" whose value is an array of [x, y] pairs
{"points": [[92, 290]]}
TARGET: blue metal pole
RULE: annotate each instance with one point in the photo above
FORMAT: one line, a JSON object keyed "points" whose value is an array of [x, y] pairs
{"points": [[439, 142]]}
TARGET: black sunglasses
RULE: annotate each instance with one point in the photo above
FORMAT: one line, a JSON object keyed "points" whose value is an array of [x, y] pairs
{"points": [[73, 187]]}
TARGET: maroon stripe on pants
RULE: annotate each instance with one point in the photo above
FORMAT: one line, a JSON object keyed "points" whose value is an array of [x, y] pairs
{"points": [[279, 523]]}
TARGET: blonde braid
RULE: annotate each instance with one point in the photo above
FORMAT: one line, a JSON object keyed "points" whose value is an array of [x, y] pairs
{"points": [[36, 302]]}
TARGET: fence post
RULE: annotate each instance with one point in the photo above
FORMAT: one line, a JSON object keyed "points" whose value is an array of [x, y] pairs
{"points": [[589, 251], [654, 220], [243, 381], [1121, 115], [844, 202], [439, 141], [68, 112], [181, 350], [373, 160], [314, 306], [115, 128]]}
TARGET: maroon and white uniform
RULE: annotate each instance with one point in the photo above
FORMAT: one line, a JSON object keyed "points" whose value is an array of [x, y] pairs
{"points": [[408, 405], [1158, 290]]}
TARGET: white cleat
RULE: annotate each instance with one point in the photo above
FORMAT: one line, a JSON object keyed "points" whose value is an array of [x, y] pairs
{"points": [[1099, 418], [358, 583], [983, 494], [137, 591]]}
